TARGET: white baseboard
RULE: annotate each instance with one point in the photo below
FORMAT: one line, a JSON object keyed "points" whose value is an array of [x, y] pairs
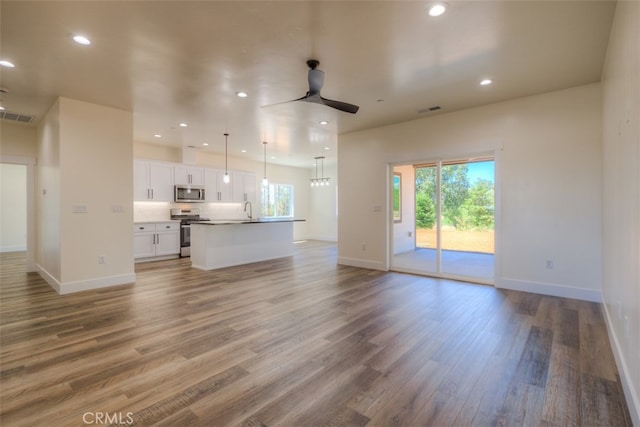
{"points": [[633, 402], [85, 285], [19, 248], [327, 238], [550, 289], [362, 263]]}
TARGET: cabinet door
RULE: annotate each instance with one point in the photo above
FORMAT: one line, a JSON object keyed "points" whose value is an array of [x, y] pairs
{"points": [[215, 188], [244, 187], [167, 242], [161, 182], [141, 190], [188, 175], [225, 189], [144, 244]]}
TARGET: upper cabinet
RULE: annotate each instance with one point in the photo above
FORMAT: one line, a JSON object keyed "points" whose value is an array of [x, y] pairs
{"points": [[244, 187], [216, 190], [152, 181], [188, 175]]}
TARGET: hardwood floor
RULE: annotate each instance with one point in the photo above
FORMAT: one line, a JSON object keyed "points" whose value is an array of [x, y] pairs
{"points": [[300, 341]]}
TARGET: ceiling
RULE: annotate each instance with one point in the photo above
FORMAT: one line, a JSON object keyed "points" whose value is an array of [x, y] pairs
{"points": [[184, 61]]}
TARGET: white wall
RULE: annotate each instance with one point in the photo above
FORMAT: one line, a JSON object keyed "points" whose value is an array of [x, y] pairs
{"points": [[85, 159], [621, 197], [549, 169], [323, 218], [13, 207]]}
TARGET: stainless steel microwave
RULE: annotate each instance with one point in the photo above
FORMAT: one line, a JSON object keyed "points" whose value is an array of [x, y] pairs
{"points": [[189, 194]]}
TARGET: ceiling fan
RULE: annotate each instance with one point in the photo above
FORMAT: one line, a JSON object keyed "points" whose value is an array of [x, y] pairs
{"points": [[316, 80]]}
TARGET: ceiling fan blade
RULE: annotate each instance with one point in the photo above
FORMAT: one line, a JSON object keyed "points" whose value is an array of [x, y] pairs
{"points": [[339, 105]]}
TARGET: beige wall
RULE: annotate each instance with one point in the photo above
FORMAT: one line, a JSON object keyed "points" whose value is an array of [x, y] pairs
{"points": [[18, 140], [548, 167], [13, 207], [85, 160], [621, 196]]}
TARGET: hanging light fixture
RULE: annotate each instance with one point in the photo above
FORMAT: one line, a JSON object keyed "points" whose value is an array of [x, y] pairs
{"points": [[322, 181], [265, 181], [226, 179]]}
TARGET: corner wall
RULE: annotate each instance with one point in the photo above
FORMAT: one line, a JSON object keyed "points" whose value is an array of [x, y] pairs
{"points": [[621, 197], [85, 195], [550, 179]]}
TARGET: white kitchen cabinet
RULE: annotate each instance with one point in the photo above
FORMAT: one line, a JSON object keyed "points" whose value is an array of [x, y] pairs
{"points": [[156, 239], [244, 187], [216, 190], [152, 181], [188, 175]]}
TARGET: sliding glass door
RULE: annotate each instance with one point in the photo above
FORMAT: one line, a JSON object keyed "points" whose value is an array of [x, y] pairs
{"points": [[454, 220]]}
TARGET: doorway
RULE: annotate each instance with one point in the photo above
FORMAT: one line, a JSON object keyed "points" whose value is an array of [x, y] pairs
{"points": [[24, 184], [449, 230]]}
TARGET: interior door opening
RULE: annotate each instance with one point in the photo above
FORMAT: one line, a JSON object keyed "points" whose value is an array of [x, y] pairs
{"points": [[446, 227]]}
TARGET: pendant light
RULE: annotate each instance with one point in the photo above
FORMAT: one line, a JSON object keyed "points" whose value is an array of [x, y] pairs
{"points": [[265, 181], [322, 181], [226, 179]]}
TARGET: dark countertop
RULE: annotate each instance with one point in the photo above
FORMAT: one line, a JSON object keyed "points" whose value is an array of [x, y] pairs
{"points": [[246, 221]]}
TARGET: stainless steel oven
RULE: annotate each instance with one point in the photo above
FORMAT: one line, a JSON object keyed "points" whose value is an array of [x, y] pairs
{"points": [[186, 217]]}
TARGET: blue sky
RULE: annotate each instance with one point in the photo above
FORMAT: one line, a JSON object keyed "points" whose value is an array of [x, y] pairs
{"points": [[481, 170]]}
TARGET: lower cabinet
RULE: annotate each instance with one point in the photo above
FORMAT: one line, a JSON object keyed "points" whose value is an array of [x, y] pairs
{"points": [[156, 239]]}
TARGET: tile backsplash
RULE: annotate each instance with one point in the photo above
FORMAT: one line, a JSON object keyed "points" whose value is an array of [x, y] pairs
{"points": [[159, 211]]}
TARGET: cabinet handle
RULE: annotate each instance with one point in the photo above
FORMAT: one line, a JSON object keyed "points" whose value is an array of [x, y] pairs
{"points": [[152, 193], [154, 239], [158, 239]]}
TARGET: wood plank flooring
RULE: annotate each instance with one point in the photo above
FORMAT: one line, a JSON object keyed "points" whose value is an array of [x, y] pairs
{"points": [[299, 341]]}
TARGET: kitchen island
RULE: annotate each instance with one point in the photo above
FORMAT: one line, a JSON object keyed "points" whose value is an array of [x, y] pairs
{"points": [[225, 243]]}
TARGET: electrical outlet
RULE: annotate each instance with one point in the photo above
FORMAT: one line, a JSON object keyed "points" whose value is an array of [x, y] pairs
{"points": [[101, 259], [409, 233], [549, 264]]}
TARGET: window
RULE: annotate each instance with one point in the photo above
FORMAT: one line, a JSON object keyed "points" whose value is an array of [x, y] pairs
{"points": [[277, 201]]}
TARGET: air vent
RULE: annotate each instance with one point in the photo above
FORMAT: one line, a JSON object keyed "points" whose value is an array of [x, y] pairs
{"points": [[15, 117]]}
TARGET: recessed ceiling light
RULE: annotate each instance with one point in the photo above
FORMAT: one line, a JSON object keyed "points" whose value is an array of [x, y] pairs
{"points": [[157, 135], [437, 9], [327, 148], [7, 64], [81, 40], [1, 108], [324, 122], [486, 82], [183, 125], [273, 157], [243, 151], [206, 144], [242, 94]]}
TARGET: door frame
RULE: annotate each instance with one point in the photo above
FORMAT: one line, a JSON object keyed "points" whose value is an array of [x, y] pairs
{"points": [[497, 263]]}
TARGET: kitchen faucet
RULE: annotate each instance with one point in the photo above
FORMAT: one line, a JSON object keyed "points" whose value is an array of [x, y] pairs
{"points": [[250, 209]]}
